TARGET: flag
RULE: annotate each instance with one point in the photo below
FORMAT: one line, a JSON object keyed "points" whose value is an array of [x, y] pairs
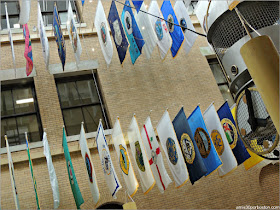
{"points": [[176, 32], [89, 166], [28, 50], [200, 12], [12, 174], [171, 148], [73, 34], [219, 139], [140, 156], [52, 174], [164, 40], [59, 36], [185, 22], [147, 31], [124, 160], [233, 138], [31, 171], [155, 156], [111, 177], [103, 33], [193, 159], [233, 3], [133, 33], [43, 37], [24, 12], [71, 174], [83, 2], [10, 36], [203, 141], [117, 32], [138, 5]]}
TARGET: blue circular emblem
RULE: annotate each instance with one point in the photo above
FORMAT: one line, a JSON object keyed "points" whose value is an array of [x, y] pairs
{"points": [[103, 33], [124, 161], [171, 150], [183, 24], [158, 28], [89, 167]]}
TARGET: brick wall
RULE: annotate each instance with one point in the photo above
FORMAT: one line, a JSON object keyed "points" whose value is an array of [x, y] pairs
{"points": [[148, 85]]}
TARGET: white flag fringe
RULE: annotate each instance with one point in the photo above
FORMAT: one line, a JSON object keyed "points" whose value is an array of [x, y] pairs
{"points": [[24, 11]]}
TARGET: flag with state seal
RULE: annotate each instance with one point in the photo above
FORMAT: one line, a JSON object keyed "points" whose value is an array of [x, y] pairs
{"points": [[193, 159], [164, 39], [133, 34], [203, 141], [140, 157], [111, 177], [100, 23], [232, 136], [219, 139], [176, 32], [117, 32], [124, 159], [171, 148], [155, 156]]}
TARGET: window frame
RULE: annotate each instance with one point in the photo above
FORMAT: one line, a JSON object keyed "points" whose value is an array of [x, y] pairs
{"points": [[3, 16]]}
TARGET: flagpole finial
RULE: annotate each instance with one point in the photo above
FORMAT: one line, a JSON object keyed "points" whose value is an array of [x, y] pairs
{"points": [[150, 112], [45, 130], [82, 122], [198, 104], [6, 138], [100, 120], [134, 114], [63, 126], [118, 117], [167, 109]]}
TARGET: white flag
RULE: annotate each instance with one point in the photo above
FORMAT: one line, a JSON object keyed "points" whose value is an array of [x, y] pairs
{"points": [[124, 160], [147, 31], [52, 174], [43, 37], [171, 148], [216, 131], [185, 20], [200, 12], [89, 166], [155, 156], [104, 37], [140, 156], [73, 34], [24, 11], [10, 36], [111, 177], [164, 39], [12, 174]]}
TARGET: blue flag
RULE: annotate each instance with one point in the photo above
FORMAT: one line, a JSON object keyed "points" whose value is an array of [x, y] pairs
{"points": [[133, 33], [203, 141], [193, 159], [176, 32], [233, 137], [137, 4], [59, 36], [83, 2], [117, 31]]}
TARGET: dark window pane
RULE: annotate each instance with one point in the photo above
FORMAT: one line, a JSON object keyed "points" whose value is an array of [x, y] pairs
{"points": [[87, 91], [217, 72], [23, 100], [12, 7], [226, 94], [9, 128], [72, 120], [92, 115], [30, 125], [68, 94], [7, 107]]}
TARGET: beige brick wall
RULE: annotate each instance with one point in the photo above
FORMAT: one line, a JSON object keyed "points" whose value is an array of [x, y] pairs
{"points": [[148, 85]]}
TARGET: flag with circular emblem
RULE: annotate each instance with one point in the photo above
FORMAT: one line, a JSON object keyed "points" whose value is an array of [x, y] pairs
{"points": [[193, 159], [219, 139], [71, 174], [171, 148], [232, 136], [140, 156], [110, 175], [175, 32], [124, 159], [164, 40], [89, 166], [155, 156], [133, 34], [101, 25], [203, 140]]}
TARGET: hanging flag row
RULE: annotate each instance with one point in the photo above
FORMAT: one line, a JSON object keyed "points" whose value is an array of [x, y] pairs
{"points": [[195, 147]]}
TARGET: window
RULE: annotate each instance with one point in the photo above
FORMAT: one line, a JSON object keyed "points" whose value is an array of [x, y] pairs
{"points": [[19, 114], [221, 80], [47, 7], [13, 12], [79, 101]]}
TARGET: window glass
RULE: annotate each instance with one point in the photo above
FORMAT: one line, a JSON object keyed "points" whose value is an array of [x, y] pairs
{"points": [[226, 94], [92, 115], [13, 12], [28, 124], [72, 120], [68, 94], [6, 103], [217, 72], [9, 128], [23, 100], [87, 91]]}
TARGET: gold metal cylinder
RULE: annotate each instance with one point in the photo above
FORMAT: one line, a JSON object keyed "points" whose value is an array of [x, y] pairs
{"points": [[262, 61]]}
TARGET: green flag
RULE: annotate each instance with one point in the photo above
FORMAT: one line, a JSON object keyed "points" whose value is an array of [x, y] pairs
{"points": [[71, 174], [31, 170]]}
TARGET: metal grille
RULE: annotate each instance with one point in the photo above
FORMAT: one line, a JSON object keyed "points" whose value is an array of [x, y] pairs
{"points": [[228, 29]]}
